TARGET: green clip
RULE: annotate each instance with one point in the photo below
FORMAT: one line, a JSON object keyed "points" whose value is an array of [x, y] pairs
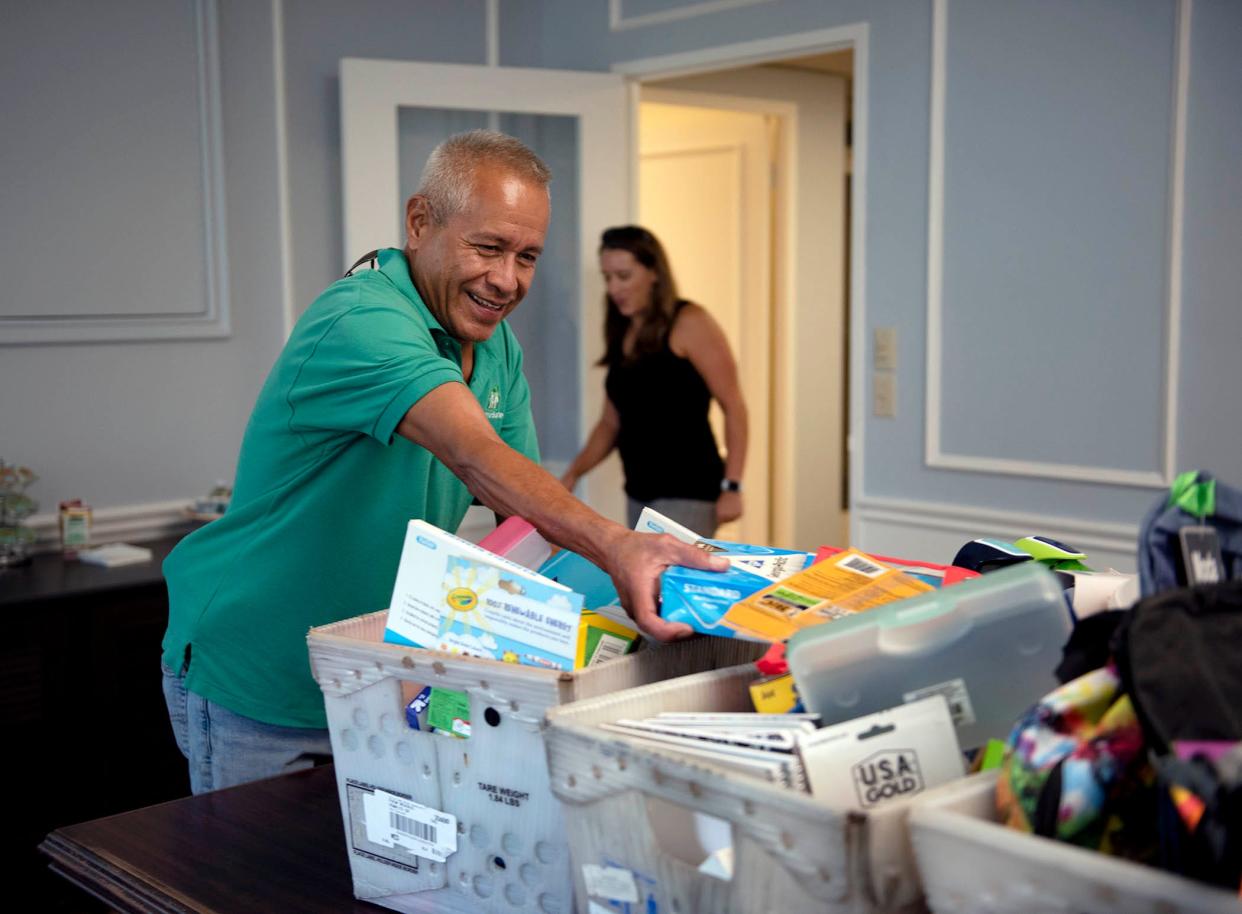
{"points": [[1197, 499]]}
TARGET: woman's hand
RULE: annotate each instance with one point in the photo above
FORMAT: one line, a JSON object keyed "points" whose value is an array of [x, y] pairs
{"points": [[728, 507], [569, 479]]}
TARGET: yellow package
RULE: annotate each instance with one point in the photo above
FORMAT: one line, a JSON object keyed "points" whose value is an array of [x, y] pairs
{"points": [[840, 585], [774, 694], [602, 637]]}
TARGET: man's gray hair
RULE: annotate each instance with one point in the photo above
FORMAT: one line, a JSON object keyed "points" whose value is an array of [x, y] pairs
{"points": [[448, 176]]}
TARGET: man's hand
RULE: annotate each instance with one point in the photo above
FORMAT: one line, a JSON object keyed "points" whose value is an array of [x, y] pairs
{"points": [[636, 563]]}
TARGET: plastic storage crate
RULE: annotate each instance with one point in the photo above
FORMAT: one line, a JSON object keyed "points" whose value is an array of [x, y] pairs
{"points": [[972, 864], [989, 645], [792, 853], [511, 847]]}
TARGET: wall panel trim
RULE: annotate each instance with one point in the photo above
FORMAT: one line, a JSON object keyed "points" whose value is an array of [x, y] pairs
{"points": [[619, 22], [123, 523], [213, 320], [1112, 544], [935, 454]]}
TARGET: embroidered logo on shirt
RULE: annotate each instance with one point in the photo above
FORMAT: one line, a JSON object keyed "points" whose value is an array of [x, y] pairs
{"points": [[493, 410]]}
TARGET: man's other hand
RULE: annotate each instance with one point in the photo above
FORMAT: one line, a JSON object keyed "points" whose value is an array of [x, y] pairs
{"points": [[637, 562]]}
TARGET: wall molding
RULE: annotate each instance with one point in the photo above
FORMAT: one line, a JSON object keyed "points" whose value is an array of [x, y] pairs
{"points": [[283, 193], [128, 523], [619, 22], [935, 455], [152, 520], [769, 50], [751, 53], [1116, 543], [213, 320]]}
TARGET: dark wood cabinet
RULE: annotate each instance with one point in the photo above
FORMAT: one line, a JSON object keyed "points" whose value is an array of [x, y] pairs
{"points": [[86, 733]]}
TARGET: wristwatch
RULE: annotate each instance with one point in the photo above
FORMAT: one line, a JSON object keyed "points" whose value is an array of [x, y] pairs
{"points": [[730, 485]]}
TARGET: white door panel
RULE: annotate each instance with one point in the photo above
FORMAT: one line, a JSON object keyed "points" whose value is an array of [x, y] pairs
{"points": [[704, 189], [379, 95]]}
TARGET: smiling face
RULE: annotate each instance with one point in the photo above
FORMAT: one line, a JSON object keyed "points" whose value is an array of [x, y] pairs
{"points": [[627, 281], [474, 269]]}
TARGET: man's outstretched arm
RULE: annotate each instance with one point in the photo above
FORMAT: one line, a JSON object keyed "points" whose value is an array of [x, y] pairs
{"points": [[449, 423]]}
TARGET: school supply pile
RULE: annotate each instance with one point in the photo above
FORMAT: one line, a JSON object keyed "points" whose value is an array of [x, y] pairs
{"points": [[1141, 758], [702, 599], [451, 595], [855, 764]]}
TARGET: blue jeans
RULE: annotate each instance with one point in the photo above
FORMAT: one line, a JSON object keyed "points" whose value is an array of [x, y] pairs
{"points": [[225, 749]]}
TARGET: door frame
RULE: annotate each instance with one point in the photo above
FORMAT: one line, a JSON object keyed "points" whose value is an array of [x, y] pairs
{"points": [[772, 50], [778, 423]]}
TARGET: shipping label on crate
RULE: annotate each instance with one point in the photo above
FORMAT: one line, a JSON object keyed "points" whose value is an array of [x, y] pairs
{"points": [[394, 821], [613, 888], [890, 755], [450, 595], [360, 841]]}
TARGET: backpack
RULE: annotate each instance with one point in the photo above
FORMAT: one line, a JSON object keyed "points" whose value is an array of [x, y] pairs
{"points": [[1195, 499], [1142, 757]]}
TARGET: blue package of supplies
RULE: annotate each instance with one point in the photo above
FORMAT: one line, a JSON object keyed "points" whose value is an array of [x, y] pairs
{"points": [[582, 577], [700, 598]]}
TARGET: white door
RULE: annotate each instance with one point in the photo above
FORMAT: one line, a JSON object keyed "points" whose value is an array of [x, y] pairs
{"points": [[394, 112], [705, 191]]}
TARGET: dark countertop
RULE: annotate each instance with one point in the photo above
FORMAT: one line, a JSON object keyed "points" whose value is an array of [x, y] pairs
{"points": [[50, 576]]}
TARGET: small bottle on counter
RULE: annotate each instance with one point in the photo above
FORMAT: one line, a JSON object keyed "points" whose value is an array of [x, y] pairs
{"points": [[75, 527]]}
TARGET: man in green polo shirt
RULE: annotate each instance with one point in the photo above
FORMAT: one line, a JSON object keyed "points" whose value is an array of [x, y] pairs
{"points": [[399, 394]]}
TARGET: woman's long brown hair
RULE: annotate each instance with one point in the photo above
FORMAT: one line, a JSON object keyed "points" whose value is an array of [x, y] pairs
{"points": [[658, 321]]}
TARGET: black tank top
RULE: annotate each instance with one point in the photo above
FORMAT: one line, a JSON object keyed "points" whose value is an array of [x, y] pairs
{"points": [[666, 444]]}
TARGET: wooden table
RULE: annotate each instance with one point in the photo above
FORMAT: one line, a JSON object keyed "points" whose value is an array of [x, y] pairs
{"points": [[86, 733], [273, 845]]}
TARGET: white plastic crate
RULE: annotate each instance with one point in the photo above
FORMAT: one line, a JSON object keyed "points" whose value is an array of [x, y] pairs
{"points": [[792, 853], [972, 864], [512, 854]]}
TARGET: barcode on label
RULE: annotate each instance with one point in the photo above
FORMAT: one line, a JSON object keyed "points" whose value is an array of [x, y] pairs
{"points": [[956, 697], [412, 827], [862, 566], [607, 648]]}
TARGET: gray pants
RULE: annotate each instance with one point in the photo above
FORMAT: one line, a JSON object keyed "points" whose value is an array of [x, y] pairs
{"points": [[699, 516]]}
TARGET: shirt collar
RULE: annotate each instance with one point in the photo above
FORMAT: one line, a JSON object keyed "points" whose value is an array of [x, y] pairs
{"points": [[394, 265]]}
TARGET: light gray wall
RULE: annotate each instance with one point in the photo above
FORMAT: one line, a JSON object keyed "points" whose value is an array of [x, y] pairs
{"points": [[1058, 133], [127, 423], [1075, 100]]}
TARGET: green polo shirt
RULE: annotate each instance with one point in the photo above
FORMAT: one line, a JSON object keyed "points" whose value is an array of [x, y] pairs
{"points": [[324, 489]]}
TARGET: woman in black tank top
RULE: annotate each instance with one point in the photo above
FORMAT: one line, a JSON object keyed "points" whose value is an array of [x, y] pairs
{"points": [[667, 358]]}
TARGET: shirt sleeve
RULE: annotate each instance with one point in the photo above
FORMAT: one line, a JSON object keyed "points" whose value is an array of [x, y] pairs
{"points": [[365, 370]]}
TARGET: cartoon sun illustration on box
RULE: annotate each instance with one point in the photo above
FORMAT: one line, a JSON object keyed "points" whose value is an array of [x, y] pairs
{"points": [[463, 582]]}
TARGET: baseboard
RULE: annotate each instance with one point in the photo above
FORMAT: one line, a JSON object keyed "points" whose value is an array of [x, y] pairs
{"points": [[127, 523], [153, 520], [934, 531]]}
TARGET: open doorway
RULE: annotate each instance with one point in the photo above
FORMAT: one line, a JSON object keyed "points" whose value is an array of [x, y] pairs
{"points": [[745, 173]]}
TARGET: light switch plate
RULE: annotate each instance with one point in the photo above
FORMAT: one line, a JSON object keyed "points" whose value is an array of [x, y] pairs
{"points": [[885, 353], [884, 394]]}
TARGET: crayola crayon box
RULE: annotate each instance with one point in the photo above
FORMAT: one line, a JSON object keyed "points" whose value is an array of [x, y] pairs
{"points": [[451, 595]]}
